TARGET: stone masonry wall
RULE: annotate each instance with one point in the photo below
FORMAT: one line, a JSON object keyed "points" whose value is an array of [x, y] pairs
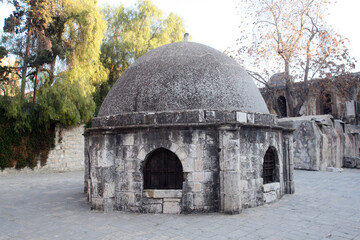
{"points": [[321, 142], [254, 144], [68, 154], [222, 169], [125, 155]]}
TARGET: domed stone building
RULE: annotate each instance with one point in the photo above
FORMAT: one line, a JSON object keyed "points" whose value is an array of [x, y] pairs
{"points": [[185, 129]]}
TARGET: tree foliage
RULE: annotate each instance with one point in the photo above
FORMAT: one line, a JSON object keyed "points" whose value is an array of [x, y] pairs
{"points": [[58, 43], [291, 37], [131, 33]]}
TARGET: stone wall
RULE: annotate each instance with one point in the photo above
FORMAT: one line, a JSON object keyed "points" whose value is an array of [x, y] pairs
{"points": [[119, 175], [222, 162], [321, 142], [68, 154], [241, 158]]}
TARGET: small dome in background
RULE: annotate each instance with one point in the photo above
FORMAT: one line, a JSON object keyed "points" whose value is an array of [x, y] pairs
{"points": [[278, 80], [183, 76]]}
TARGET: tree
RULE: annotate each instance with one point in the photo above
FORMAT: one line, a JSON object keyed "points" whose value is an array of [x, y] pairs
{"points": [[131, 33], [294, 36], [59, 45]]}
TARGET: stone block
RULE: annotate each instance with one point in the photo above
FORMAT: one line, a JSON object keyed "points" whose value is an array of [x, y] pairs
{"points": [[210, 176], [270, 197], [171, 205], [181, 154], [192, 150], [241, 117], [174, 147], [199, 165], [153, 208], [188, 164], [197, 187], [271, 187], [125, 199], [250, 118], [232, 204], [198, 176], [147, 200], [232, 143], [163, 193], [128, 139], [141, 155], [231, 182], [108, 205], [97, 203]]}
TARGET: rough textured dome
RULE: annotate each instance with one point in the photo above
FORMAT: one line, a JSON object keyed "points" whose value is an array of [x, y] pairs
{"points": [[183, 76], [278, 80]]}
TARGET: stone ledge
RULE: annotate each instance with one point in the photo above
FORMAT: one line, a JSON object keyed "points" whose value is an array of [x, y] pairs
{"points": [[184, 117], [270, 187], [163, 193]]}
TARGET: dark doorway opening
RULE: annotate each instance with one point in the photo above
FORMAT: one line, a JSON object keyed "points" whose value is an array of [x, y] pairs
{"points": [[163, 170], [327, 104], [269, 166], [282, 106]]}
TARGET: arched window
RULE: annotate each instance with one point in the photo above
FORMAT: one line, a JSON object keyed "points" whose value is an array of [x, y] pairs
{"points": [[281, 101], [327, 104], [269, 166], [163, 170]]}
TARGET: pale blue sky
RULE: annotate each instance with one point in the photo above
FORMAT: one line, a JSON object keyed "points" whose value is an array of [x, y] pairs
{"points": [[215, 22]]}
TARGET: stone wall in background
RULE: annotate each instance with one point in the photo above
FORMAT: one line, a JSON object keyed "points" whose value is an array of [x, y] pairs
{"points": [[321, 142], [68, 154]]}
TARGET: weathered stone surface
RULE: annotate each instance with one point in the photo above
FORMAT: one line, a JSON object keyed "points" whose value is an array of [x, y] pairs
{"points": [[171, 205], [163, 193], [189, 101], [321, 142], [183, 76], [67, 155], [270, 187]]}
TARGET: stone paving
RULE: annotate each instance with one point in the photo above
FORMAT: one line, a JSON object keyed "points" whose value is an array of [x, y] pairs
{"points": [[38, 206]]}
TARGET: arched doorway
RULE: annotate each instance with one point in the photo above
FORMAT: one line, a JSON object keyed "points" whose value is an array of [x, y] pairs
{"points": [[326, 103], [270, 171], [163, 170], [281, 101]]}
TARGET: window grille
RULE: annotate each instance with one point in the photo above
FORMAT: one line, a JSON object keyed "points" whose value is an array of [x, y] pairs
{"points": [[163, 170], [269, 166]]}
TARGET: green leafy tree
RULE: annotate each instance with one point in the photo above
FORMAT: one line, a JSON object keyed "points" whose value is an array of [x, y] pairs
{"points": [[131, 33], [59, 44]]}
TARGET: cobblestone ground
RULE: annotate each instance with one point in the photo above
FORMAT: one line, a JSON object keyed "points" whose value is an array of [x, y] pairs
{"points": [[52, 206]]}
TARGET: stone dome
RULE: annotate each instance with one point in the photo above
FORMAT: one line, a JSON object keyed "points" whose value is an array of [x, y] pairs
{"points": [[278, 80], [183, 76]]}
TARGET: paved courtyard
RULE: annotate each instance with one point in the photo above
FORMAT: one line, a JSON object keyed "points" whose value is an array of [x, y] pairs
{"points": [[52, 206]]}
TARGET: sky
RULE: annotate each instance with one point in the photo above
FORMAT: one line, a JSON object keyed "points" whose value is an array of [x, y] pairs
{"points": [[215, 22]]}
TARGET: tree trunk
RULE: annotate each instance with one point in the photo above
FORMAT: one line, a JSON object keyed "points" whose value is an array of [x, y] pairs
{"points": [[288, 95], [25, 62], [36, 83], [289, 99]]}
